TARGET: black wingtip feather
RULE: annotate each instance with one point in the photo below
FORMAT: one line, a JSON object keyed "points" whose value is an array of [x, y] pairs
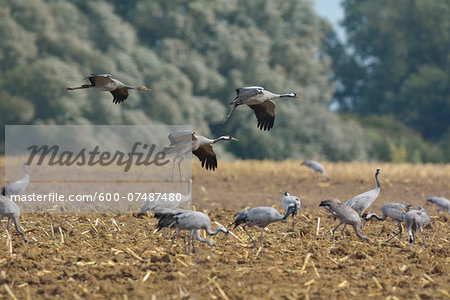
{"points": [[241, 218]]}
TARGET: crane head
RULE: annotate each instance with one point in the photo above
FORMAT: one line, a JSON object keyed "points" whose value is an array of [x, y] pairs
{"points": [[377, 172], [143, 88], [411, 239], [230, 138], [285, 193]]}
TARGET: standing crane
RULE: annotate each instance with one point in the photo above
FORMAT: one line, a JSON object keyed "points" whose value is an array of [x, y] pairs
{"points": [[261, 101], [395, 211], [10, 210], [415, 219], [19, 186], [316, 166], [104, 83], [346, 215], [261, 217], [362, 201], [287, 202], [188, 220], [184, 142], [442, 203]]}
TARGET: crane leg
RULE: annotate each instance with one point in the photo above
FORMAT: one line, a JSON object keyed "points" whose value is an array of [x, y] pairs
{"points": [[332, 236], [16, 224], [7, 225], [245, 229], [179, 168], [423, 237], [293, 223], [173, 168], [285, 225], [173, 240], [226, 118], [191, 241], [261, 240], [342, 231], [84, 86], [362, 228], [399, 232]]}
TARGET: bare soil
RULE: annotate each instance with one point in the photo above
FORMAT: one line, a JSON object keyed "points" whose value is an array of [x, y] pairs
{"points": [[88, 256]]}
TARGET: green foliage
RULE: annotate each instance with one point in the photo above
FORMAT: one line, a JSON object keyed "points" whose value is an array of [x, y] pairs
{"points": [[396, 62], [192, 53], [392, 141]]}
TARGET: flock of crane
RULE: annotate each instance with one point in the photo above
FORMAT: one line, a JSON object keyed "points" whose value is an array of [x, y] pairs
{"points": [[192, 222]]}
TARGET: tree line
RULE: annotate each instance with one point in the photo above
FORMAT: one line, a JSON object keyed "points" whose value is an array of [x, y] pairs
{"points": [[193, 54]]}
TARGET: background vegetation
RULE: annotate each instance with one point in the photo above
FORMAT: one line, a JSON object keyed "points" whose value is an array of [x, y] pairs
{"points": [[390, 79]]}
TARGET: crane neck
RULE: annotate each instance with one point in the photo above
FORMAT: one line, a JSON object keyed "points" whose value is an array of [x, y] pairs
{"points": [[292, 95], [358, 233], [378, 182], [289, 211], [370, 216], [221, 138], [210, 232], [189, 193], [198, 236]]}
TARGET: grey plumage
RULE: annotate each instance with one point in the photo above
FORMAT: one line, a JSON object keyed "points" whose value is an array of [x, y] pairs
{"points": [[441, 202], [184, 201], [189, 220], [362, 201], [416, 219], [185, 142], [10, 210], [316, 166], [346, 215], [19, 186], [104, 83], [260, 101], [261, 217], [287, 202], [395, 211]]}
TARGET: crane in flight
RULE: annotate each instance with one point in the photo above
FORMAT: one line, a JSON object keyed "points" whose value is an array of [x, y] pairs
{"points": [[261, 102], [104, 83], [184, 142]]}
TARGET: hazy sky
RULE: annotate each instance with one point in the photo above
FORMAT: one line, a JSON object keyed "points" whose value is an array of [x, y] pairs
{"points": [[333, 12]]}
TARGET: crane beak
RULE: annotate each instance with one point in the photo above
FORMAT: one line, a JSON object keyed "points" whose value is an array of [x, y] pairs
{"points": [[234, 139], [144, 88]]}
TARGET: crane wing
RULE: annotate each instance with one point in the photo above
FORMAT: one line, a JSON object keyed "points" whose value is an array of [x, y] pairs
{"points": [[119, 94], [247, 92], [100, 79], [182, 137], [265, 114], [206, 155]]}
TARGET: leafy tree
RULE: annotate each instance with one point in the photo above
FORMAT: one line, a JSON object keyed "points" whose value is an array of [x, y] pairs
{"points": [[192, 53], [396, 62]]}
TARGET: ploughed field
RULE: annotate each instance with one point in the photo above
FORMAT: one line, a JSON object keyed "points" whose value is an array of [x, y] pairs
{"points": [[120, 256]]}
